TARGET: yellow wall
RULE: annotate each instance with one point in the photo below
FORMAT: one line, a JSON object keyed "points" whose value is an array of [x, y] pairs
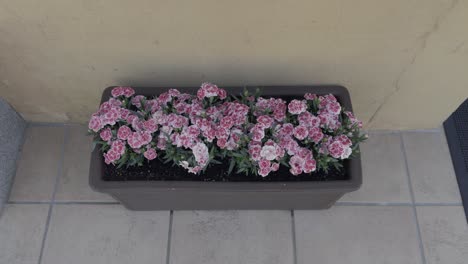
{"points": [[404, 61]]}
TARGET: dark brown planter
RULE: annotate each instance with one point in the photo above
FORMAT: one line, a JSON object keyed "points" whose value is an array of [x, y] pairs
{"points": [[190, 195]]}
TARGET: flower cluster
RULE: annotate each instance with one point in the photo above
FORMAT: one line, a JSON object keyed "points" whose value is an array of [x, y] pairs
{"points": [[256, 135]]}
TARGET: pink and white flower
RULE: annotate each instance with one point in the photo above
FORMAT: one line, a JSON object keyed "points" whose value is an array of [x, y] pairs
{"points": [[123, 132], [296, 107], [106, 134], [128, 91], [300, 132], [95, 124], [150, 125], [150, 154], [200, 152], [111, 157], [117, 91], [118, 146], [265, 121]]}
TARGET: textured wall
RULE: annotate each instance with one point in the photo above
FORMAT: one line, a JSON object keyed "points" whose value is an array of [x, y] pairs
{"points": [[404, 61]]}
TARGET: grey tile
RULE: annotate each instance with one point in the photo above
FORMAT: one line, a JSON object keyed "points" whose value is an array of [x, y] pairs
{"points": [[38, 164], [444, 232], [430, 167], [357, 234], [384, 171], [231, 237], [74, 183], [21, 231], [105, 234]]}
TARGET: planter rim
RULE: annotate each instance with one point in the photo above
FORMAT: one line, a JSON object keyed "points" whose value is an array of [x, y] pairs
{"points": [[354, 165]]}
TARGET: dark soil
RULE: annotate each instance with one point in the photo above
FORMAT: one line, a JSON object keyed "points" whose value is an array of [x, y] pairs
{"points": [[158, 171]]}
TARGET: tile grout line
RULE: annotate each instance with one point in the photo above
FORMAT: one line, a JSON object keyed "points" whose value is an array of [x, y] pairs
{"points": [[51, 205], [293, 230], [169, 237], [415, 212]]}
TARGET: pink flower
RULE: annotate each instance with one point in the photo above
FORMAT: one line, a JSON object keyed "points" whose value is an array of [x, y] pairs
{"points": [[265, 121], [131, 118], [150, 154], [290, 145], [221, 142], [344, 140], [334, 108], [124, 113], [336, 150], [137, 100], [138, 139], [164, 98], [274, 166], [105, 107], [296, 107], [123, 132], [111, 156], [150, 125], [300, 132], [257, 133], [118, 146], [207, 90], [264, 167], [305, 118], [222, 94], [329, 121], [117, 91], [353, 119], [115, 102], [192, 131], [309, 96], [263, 163], [128, 91], [286, 130], [315, 134], [227, 122], [111, 116], [254, 151], [95, 124], [296, 164], [177, 121], [314, 121], [222, 133], [162, 142], [209, 134], [309, 165], [106, 134], [200, 152], [173, 92]]}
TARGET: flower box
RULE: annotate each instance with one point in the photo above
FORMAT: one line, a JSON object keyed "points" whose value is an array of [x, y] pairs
{"points": [[215, 195]]}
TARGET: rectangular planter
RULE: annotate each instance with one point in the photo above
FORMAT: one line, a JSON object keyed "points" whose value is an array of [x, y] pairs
{"points": [[192, 195]]}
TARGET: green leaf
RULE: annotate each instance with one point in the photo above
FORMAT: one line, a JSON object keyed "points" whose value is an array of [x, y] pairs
{"points": [[231, 166]]}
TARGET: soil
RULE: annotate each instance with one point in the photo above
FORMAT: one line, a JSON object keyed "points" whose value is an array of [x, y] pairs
{"points": [[158, 171]]}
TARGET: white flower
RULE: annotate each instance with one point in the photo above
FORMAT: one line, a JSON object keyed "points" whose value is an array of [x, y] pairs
{"points": [[346, 153], [268, 152], [200, 152], [184, 164]]}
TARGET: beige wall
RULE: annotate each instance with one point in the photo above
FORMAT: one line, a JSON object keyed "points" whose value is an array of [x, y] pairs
{"points": [[404, 61]]}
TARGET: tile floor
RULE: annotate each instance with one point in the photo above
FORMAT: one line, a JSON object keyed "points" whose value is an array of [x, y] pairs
{"points": [[407, 211]]}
